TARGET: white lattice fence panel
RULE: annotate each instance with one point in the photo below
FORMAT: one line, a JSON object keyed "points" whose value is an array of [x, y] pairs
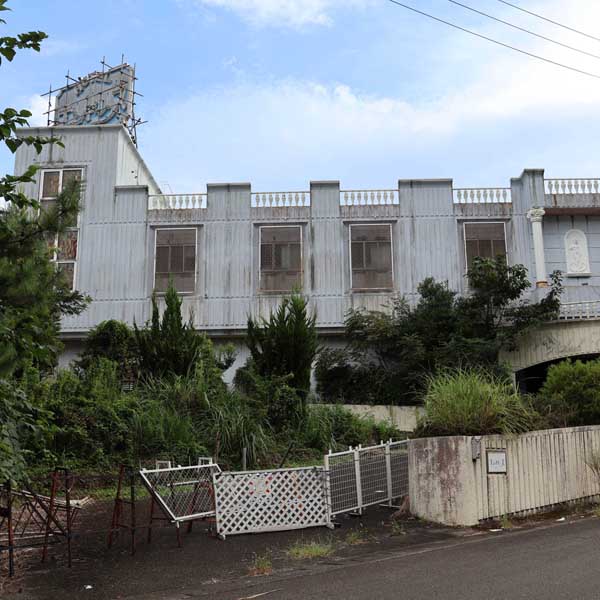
{"points": [[259, 501], [184, 493]]}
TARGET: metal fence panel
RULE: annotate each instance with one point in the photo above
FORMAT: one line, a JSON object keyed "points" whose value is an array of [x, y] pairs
{"points": [[373, 475], [399, 468], [184, 493], [361, 477], [276, 500], [342, 482]]}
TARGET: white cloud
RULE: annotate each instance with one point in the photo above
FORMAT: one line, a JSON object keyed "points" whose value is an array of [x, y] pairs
{"points": [[38, 105], [510, 112], [286, 13]]}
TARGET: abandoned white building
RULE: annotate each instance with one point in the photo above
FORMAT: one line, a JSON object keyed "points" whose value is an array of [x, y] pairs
{"points": [[233, 251]]}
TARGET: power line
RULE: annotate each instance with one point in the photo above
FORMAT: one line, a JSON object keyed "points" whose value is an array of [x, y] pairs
{"points": [[538, 35], [593, 37], [489, 39]]}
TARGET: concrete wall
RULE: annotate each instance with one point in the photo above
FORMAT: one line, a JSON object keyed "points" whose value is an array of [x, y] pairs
{"points": [[402, 417], [450, 482]]}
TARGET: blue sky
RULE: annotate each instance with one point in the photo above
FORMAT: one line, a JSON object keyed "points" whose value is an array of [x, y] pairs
{"points": [[279, 92]]}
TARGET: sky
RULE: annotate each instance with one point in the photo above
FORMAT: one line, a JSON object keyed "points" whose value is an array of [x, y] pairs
{"points": [[282, 92]]}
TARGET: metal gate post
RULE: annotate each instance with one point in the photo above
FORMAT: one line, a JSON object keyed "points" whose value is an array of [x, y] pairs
{"points": [[358, 482], [388, 472], [328, 499]]}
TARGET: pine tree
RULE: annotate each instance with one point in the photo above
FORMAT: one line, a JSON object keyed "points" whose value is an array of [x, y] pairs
{"points": [[33, 294]]}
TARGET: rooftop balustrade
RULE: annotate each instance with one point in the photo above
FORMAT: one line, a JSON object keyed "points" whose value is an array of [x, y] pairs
{"points": [[280, 199], [482, 195], [176, 201], [572, 186], [369, 197]]}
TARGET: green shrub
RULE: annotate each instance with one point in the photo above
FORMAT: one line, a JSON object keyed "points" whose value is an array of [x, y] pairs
{"points": [[335, 427], [87, 416], [114, 341], [286, 343], [168, 346], [467, 402], [570, 395]]}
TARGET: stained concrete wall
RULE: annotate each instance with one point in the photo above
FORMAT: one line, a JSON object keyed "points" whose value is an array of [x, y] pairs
{"points": [[450, 482]]}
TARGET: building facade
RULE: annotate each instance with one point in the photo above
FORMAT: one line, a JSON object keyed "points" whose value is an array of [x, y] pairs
{"points": [[234, 252]]}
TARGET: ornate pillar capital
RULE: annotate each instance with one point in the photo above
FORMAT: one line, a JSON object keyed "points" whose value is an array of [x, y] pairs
{"points": [[535, 215]]}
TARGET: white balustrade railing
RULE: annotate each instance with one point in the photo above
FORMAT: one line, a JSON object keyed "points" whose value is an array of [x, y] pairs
{"points": [[176, 201], [572, 186], [369, 197], [482, 195], [280, 199], [580, 310]]}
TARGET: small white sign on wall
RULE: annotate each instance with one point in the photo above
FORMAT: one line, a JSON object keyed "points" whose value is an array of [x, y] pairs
{"points": [[496, 461]]}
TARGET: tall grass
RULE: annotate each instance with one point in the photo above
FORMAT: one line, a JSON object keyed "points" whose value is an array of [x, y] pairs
{"points": [[471, 402]]}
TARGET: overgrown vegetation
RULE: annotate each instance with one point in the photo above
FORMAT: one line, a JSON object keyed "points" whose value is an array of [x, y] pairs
{"points": [[570, 395], [390, 354], [33, 293], [468, 402], [179, 407]]}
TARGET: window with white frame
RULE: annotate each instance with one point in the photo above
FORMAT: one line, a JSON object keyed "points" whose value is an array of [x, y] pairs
{"points": [[280, 258], [371, 257], [64, 245], [175, 259], [484, 240]]}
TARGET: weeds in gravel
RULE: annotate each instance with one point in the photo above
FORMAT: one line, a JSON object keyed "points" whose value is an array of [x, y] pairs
{"points": [[357, 536], [308, 550], [261, 565], [398, 528], [506, 523]]}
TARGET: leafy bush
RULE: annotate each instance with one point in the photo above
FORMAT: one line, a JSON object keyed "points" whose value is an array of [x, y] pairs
{"points": [[168, 346], [570, 395], [286, 343], [87, 417], [270, 397], [113, 340], [390, 354], [335, 427], [468, 402]]}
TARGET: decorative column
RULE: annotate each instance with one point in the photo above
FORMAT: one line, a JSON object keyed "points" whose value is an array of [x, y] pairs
{"points": [[535, 215]]}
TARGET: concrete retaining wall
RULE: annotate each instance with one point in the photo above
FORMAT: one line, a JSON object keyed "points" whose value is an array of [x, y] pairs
{"points": [[464, 480], [403, 417]]}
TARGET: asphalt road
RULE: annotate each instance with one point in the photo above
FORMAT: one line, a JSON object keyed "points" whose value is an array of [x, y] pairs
{"points": [[560, 561]]}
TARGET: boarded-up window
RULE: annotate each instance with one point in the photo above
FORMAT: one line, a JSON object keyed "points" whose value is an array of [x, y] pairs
{"points": [[175, 260], [371, 257], [65, 245], [486, 240], [280, 258]]}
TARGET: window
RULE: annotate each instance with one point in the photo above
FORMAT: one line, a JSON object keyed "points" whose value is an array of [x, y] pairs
{"points": [[486, 240], [371, 257], [175, 258], [280, 258], [64, 245]]}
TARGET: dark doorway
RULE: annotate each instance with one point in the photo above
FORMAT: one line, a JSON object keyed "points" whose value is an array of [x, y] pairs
{"points": [[530, 380]]}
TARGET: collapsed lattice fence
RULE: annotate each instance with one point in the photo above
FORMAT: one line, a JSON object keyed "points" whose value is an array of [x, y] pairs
{"points": [[362, 477], [275, 500], [184, 493]]}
